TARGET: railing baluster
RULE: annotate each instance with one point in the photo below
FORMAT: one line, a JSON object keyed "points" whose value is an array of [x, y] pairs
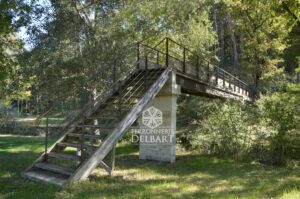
{"points": [[114, 72], [183, 64], [207, 72], [157, 58], [242, 87], [229, 81], [146, 71], [234, 83], [138, 55], [167, 51], [197, 66], [216, 74], [223, 78]]}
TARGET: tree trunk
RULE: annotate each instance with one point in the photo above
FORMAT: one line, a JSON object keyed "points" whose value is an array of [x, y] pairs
{"points": [[233, 40], [222, 43]]}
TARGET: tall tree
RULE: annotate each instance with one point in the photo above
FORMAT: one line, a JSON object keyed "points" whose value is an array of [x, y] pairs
{"points": [[13, 14], [264, 33]]}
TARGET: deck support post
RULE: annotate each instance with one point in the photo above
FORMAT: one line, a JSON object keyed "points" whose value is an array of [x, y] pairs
{"points": [[160, 143]]}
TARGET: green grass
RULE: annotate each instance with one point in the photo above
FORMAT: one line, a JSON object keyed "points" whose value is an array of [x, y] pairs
{"points": [[192, 176]]}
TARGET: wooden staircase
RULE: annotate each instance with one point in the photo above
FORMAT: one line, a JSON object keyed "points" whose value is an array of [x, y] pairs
{"points": [[96, 130]]}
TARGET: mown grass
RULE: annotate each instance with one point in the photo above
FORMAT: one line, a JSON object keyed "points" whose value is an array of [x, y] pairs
{"points": [[192, 176]]}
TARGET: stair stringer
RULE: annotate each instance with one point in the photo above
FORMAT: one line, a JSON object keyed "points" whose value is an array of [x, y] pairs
{"points": [[90, 164]]}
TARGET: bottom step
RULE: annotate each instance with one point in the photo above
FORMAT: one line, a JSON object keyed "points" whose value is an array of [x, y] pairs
{"points": [[44, 178]]}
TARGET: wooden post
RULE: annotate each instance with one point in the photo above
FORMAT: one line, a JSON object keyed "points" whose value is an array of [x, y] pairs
{"points": [[113, 158], [81, 146], [46, 137]]}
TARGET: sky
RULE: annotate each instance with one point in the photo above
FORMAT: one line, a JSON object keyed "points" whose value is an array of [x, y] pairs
{"points": [[22, 32]]}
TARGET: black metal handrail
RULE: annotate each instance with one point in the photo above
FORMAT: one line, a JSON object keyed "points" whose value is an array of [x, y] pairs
{"points": [[210, 69]]}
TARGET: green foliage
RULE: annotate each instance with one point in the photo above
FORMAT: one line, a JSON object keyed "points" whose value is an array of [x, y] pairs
{"points": [[216, 127], [264, 40], [280, 111], [13, 14], [191, 111], [268, 131], [75, 50], [225, 131]]}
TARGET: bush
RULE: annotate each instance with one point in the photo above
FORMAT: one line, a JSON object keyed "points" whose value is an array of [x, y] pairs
{"points": [[280, 112], [217, 127], [191, 111], [267, 131], [225, 131]]}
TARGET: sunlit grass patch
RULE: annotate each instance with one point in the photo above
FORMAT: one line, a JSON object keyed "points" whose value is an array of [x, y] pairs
{"points": [[192, 176]]}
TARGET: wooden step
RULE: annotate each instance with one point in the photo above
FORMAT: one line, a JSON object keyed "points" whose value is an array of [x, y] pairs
{"points": [[115, 109], [122, 103], [103, 118], [79, 135], [64, 156], [118, 97], [75, 145], [94, 126], [39, 176], [54, 168]]}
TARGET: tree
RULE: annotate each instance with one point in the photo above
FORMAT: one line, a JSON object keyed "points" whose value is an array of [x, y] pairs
{"points": [[264, 33], [85, 38], [13, 14]]}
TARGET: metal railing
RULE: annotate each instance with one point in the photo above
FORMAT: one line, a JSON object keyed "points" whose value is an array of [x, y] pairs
{"points": [[170, 53]]}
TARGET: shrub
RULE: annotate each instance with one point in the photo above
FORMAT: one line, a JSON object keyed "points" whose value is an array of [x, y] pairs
{"points": [[191, 111], [226, 131], [280, 111], [216, 128]]}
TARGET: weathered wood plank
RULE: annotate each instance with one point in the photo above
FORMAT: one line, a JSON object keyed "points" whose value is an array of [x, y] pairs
{"points": [[64, 156], [44, 178], [55, 168]]}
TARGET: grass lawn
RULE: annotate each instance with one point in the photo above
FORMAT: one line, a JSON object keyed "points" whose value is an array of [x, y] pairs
{"points": [[192, 176]]}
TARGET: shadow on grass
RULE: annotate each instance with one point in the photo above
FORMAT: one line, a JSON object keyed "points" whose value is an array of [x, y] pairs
{"points": [[214, 177], [192, 176], [16, 154]]}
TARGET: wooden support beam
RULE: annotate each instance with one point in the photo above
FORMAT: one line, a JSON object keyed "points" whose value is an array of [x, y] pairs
{"points": [[113, 153]]}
